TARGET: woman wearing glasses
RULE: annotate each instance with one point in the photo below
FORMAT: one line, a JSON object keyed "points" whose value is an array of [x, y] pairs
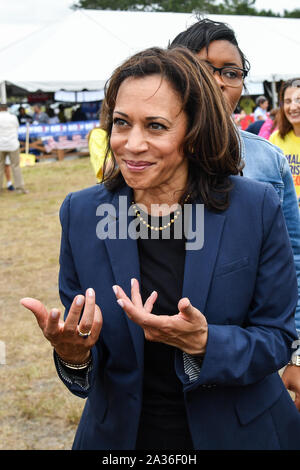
{"points": [[215, 43]]}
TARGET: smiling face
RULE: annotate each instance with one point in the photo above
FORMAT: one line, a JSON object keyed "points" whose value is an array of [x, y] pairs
{"points": [[291, 106], [148, 130], [222, 53]]}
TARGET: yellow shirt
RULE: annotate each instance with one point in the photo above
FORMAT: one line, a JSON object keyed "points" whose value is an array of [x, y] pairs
{"points": [[291, 148], [97, 149]]}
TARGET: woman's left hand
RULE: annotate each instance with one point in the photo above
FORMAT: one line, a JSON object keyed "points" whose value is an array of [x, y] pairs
{"points": [[291, 380], [187, 330]]}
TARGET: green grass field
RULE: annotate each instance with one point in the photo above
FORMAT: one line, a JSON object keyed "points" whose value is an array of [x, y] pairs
{"points": [[36, 410]]}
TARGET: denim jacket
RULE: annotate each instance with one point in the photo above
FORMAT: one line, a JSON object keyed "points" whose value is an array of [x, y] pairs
{"points": [[265, 162]]}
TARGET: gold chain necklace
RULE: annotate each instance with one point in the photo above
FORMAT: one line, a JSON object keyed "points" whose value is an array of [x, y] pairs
{"points": [[160, 227]]}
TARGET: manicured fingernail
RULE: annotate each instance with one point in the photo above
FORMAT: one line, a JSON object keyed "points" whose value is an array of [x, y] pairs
{"points": [[153, 293], [90, 292], [79, 301], [120, 302], [132, 281], [115, 289], [54, 314]]}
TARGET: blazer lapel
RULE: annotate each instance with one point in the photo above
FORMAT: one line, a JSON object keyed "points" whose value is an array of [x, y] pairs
{"points": [[123, 254], [199, 263]]}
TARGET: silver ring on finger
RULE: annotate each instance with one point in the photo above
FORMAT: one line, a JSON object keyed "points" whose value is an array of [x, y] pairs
{"points": [[83, 335]]}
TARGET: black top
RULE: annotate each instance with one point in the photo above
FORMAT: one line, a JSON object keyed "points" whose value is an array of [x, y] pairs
{"points": [[163, 423]]}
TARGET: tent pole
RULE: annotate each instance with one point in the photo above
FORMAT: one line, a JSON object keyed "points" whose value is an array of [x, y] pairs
{"points": [[3, 92], [274, 93]]}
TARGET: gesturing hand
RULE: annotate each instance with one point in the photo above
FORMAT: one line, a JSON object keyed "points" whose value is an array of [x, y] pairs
{"points": [[65, 336], [187, 330], [291, 380]]}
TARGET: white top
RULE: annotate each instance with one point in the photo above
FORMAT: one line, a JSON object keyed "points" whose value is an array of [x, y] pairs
{"points": [[9, 126], [260, 113]]}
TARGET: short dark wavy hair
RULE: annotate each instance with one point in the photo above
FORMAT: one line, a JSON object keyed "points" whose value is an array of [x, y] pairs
{"points": [[211, 143], [205, 31]]}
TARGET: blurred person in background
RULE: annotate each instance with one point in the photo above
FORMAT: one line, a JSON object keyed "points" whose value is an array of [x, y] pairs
{"points": [[61, 113], [287, 136], [247, 104], [260, 113], [216, 44], [243, 120], [39, 116], [269, 125], [53, 118], [255, 127], [9, 145], [98, 144], [7, 172], [78, 115], [23, 117]]}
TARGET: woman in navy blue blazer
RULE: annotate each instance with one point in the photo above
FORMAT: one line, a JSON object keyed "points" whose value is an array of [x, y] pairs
{"points": [[177, 276]]}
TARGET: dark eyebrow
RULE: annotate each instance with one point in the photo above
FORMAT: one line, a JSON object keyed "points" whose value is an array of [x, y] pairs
{"points": [[226, 64], [122, 114], [148, 118], [152, 118]]}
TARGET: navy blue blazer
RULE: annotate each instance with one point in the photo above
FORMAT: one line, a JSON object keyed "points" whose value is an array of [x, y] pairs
{"points": [[242, 279]]}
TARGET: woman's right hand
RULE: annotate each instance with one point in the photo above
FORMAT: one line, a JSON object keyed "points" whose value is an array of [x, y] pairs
{"points": [[64, 335]]}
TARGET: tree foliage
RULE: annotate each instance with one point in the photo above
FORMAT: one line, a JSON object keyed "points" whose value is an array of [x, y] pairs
{"points": [[205, 6], [292, 14], [227, 7], [237, 7]]}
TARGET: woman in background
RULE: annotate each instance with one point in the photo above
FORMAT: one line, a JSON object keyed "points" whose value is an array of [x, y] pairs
{"points": [[287, 136], [269, 125]]}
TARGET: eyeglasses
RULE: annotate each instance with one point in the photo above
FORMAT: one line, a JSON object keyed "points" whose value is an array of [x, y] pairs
{"points": [[231, 76]]}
